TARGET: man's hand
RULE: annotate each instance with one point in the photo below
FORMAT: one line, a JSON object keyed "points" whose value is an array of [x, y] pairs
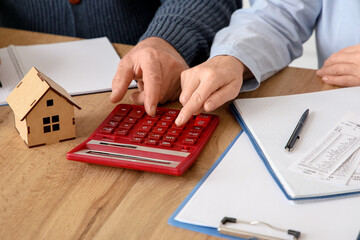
{"points": [[342, 68], [209, 85], [157, 66]]}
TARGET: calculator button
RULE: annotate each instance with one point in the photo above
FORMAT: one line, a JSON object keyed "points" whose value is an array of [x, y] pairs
{"points": [[125, 125], [204, 117], [174, 132], [150, 122], [155, 136], [163, 124], [106, 130], [140, 134], [193, 134], [168, 118], [159, 111], [197, 129], [137, 113], [169, 138], [172, 113], [123, 110], [165, 144], [130, 120], [174, 126], [160, 130], [136, 140], [189, 141], [116, 118], [109, 138], [151, 141], [112, 124], [144, 128], [121, 132], [156, 117], [201, 122], [185, 148]]}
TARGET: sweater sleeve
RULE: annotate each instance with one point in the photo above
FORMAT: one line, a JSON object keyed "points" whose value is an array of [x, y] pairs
{"points": [[190, 25]]}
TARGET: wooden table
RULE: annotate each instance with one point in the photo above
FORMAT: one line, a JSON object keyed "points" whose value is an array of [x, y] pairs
{"points": [[45, 196]]}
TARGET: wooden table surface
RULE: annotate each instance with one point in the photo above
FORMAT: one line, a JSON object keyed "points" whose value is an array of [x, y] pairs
{"points": [[45, 196]]}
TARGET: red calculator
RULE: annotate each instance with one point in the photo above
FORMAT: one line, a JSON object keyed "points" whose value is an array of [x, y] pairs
{"points": [[129, 138]]}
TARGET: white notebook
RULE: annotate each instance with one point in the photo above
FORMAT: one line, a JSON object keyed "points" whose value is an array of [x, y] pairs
{"points": [[270, 121], [80, 67], [241, 187]]}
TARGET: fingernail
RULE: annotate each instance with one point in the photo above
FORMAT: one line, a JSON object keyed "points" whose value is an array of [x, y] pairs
{"points": [[179, 120], [209, 106], [325, 79]]}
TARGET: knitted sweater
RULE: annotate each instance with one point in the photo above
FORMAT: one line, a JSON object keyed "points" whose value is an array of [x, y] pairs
{"points": [[188, 25]]}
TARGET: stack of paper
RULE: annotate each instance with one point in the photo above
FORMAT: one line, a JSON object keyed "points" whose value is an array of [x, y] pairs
{"points": [[270, 121], [80, 67]]}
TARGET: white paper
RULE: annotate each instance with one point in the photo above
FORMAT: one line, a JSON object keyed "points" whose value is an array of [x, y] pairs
{"points": [[329, 160], [80, 67], [241, 187], [347, 170], [271, 121], [355, 178]]}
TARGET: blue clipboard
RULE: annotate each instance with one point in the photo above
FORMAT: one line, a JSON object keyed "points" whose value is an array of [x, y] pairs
{"points": [[267, 165], [196, 228], [260, 153]]}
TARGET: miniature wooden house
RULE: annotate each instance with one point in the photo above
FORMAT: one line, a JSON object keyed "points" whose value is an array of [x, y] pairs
{"points": [[44, 111]]}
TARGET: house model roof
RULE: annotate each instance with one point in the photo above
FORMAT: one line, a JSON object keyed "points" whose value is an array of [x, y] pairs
{"points": [[31, 89]]}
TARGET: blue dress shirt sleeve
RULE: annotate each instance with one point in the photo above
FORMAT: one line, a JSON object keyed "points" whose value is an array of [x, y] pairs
{"points": [[267, 36]]}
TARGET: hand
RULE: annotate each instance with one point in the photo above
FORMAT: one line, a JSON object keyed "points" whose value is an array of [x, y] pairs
{"points": [[157, 66], [209, 85], [342, 68]]}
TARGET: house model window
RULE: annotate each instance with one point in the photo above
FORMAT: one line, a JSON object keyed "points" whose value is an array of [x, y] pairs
{"points": [[51, 123], [50, 103], [44, 111]]}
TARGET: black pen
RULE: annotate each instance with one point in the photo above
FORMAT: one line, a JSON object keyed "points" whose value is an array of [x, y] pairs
{"points": [[295, 134]]}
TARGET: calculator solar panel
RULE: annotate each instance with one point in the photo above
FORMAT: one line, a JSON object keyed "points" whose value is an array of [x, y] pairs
{"points": [[129, 138]]}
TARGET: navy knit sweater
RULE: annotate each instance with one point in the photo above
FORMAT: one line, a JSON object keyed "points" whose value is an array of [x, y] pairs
{"points": [[188, 25]]}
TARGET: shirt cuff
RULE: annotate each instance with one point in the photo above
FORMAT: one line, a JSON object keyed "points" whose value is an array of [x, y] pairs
{"points": [[261, 71]]}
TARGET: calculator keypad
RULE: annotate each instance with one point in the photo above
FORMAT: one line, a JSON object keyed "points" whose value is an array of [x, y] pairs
{"points": [[131, 124], [130, 138]]}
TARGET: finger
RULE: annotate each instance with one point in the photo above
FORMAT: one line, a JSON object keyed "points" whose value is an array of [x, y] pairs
{"points": [[344, 80], [221, 96], [196, 101], [341, 57], [140, 85], [189, 83], [122, 79], [152, 85], [138, 97], [337, 69], [184, 115]]}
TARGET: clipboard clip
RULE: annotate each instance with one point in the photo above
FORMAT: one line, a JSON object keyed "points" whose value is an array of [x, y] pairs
{"points": [[289, 234]]}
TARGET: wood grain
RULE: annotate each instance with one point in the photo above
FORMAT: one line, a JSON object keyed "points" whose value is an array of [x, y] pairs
{"points": [[45, 196]]}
